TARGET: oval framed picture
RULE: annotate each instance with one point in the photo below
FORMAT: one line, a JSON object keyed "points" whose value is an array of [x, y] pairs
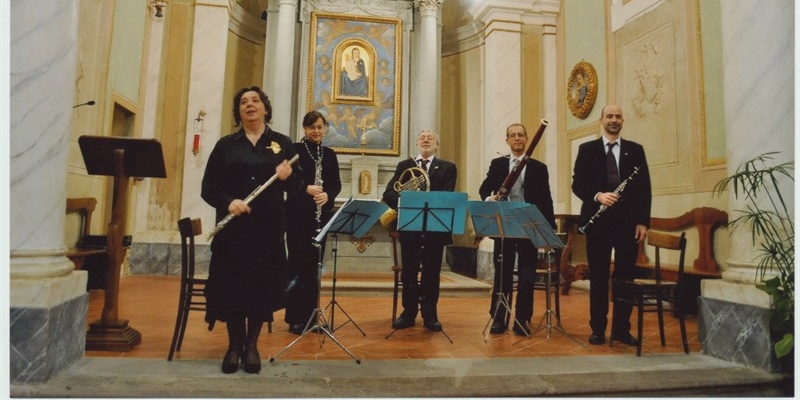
{"points": [[582, 89]]}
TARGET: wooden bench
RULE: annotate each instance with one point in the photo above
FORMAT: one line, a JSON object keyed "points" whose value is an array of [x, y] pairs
{"points": [[706, 220], [79, 250]]}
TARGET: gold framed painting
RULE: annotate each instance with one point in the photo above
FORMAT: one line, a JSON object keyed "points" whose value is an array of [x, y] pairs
{"points": [[582, 89], [354, 79]]}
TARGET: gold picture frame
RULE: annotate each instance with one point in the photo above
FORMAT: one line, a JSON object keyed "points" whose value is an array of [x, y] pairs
{"points": [[582, 89], [355, 81]]}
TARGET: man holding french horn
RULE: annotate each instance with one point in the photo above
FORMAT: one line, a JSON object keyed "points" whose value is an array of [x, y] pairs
{"points": [[425, 172], [611, 219]]}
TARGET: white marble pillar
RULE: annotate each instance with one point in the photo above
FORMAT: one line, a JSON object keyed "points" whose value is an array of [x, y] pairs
{"points": [[502, 101], [206, 87], [279, 85], [425, 96], [759, 106], [47, 299], [550, 101]]}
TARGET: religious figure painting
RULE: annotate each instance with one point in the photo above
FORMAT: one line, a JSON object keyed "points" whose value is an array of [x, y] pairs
{"points": [[355, 80]]}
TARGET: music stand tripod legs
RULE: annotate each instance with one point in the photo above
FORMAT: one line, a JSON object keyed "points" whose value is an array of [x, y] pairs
{"points": [[547, 319], [320, 323], [502, 300]]}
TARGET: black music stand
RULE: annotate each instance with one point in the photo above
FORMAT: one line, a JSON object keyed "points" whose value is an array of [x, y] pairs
{"points": [[494, 219], [122, 158], [354, 217], [431, 212], [544, 237]]}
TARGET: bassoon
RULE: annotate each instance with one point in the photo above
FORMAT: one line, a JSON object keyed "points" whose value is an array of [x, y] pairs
{"points": [[511, 179]]}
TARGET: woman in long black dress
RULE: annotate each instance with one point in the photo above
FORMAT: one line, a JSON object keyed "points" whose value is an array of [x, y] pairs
{"points": [[302, 208], [248, 256]]}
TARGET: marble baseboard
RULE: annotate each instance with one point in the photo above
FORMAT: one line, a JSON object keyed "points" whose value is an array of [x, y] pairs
{"points": [[164, 258], [46, 341], [735, 332]]}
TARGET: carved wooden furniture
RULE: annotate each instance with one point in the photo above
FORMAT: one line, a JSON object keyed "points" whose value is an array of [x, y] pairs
{"points": [[648, 295], [78, 252], [122, 158], [706, 220]]}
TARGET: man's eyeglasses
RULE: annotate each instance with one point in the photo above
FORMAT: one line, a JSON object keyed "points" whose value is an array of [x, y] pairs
{"points": [[516, 135]]}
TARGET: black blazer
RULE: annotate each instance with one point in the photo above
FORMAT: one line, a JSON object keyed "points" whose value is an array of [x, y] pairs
{"points": [[535, 184], [590, 177], [442, 175]]}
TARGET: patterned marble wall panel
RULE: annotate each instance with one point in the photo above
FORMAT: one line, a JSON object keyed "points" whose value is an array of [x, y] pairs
{"points": [[149, 258], [735, 332], [44, 342]]}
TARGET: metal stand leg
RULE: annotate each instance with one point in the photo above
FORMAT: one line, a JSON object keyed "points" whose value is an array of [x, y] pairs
{"points": [[502, 299], [317, 321], [333, 303], [547, 319]]}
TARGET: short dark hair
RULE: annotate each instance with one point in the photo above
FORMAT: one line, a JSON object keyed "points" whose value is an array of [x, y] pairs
{"points": [[264, 99], [313, 116]]}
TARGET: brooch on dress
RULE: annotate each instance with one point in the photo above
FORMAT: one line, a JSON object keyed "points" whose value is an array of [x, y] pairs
{"points": [[276, 148]]}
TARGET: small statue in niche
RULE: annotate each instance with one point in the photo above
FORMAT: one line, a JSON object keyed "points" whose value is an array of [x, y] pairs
{"points": [[364, 182]]}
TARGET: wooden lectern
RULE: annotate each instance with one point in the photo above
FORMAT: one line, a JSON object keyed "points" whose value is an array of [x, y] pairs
{"points": [[122, 158]]}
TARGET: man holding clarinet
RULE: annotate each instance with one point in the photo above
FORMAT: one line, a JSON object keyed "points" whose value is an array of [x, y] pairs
{"points": [[601, 171]]}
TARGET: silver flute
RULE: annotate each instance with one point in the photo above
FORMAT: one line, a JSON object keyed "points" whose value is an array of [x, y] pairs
{"points": [[604, 207], [221, 224]]}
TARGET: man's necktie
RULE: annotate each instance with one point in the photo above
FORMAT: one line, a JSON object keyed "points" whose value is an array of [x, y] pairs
{"points": [[611, 166], [516, 190], [423, 163]]}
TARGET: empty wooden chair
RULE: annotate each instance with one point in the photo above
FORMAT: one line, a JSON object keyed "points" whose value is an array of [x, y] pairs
{"points": [[648, 295], [191, 297]]}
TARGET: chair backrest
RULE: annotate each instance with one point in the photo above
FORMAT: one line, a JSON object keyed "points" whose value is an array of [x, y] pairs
{"points": [[189, 228], [83, 207], [660, 240]]}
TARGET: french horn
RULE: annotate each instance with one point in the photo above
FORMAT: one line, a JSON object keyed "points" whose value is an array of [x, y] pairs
{"points": [[413, 179]]}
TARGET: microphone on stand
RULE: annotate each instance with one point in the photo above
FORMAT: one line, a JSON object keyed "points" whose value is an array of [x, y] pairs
{"points": [[88, 103]]}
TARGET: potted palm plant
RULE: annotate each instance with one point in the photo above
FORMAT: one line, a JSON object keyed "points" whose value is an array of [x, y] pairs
{"points": [[772, 230]]}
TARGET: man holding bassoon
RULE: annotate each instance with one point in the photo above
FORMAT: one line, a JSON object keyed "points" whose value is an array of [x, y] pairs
{"points": [[517, 177]]}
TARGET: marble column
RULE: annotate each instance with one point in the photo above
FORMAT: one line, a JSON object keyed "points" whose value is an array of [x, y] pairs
{"points": [[279, 65], [759, 81], [48, 300], [502, 74], [759, 103], [206, 87], [425, 95], [550, 99]]}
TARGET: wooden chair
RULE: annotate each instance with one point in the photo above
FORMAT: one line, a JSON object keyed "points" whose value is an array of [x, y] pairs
{"points": [[191, 297], [648, 295], [397, 268]]}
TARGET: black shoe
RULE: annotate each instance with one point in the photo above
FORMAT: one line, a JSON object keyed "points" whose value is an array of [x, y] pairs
{"points": [[252, 361], [596, 339], [627, 339], [522, 331], [297, 329], [433, 325], [498, 327], [230, 363], [403, 322]]}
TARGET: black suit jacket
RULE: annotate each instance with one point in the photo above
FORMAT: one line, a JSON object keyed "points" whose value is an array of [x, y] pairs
{"points": [[442, 175], [535, 184], [590, 177]]}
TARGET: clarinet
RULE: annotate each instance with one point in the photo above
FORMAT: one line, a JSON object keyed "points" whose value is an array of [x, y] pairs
{"points": [[318, 182], [604, 207]]}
